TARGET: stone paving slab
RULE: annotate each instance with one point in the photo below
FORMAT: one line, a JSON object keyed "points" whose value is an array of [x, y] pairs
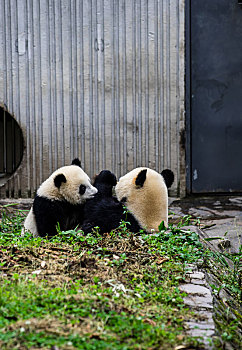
{"points": [[220, 217], [200, 300], [195, 289]]}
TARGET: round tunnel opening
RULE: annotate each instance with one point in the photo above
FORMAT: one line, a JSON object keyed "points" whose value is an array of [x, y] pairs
{"points": [[11, 145]]}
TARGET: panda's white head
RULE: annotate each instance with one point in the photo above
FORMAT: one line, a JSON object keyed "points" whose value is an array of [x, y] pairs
{"points": [[144, 192], [68, 183]]}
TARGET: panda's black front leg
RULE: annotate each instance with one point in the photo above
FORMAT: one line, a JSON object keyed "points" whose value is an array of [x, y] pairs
{"points": [[48, 214], [73, 216]]}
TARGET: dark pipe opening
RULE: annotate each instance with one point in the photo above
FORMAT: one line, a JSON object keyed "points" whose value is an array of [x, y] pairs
{"points": [[11, 144]]}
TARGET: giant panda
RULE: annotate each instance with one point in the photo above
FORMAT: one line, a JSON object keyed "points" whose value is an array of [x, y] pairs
{"points": [[141, 201], [60, 201]]}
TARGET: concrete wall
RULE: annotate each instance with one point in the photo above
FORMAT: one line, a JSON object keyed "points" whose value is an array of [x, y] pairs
{"points": [[99, 79]]}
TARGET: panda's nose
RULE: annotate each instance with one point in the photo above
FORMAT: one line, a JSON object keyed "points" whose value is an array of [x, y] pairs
{"points": [[94, 190], [90, 193]]}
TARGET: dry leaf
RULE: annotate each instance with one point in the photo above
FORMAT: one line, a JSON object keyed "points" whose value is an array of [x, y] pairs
{"points": [[160, 261], [149, 321], [43, 264], [180, 347]]}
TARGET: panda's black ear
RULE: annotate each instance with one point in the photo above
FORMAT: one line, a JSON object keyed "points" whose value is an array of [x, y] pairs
{"points": [[113, 179], [59, 179], [168, 176], [140, 179], [76, 161]]}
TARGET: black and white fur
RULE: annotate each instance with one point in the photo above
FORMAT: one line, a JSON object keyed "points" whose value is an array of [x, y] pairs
{"points": [[104, 210], [59, 201], [142, 201]]}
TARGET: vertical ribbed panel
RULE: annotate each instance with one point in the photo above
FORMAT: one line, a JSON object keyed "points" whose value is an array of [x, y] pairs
{"points": [[101, 80]]}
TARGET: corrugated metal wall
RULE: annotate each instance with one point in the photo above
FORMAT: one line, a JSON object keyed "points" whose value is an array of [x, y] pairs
{"points": [[98, 79]]}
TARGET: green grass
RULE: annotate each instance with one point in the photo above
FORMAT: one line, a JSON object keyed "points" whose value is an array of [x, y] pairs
{"points": [[116, 321], [116, 291]]}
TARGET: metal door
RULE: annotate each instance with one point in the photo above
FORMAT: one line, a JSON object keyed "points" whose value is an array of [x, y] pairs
{"points": [[215, 96]]}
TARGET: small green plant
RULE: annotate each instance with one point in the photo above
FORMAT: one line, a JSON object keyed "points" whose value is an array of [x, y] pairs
{"points": [[162, 226], [118, 260], [123, 227], [217, 289]]}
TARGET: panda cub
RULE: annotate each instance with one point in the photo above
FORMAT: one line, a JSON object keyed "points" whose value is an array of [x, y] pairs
{"points": [[104, 210], [143, 191], [60, 201]]}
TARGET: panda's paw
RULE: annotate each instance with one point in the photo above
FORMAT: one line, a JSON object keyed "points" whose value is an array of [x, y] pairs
{"points": [[87, 227]]}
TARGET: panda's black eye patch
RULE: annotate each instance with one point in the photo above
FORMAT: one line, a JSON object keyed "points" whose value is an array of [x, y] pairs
{"points": [[82, 189]]}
